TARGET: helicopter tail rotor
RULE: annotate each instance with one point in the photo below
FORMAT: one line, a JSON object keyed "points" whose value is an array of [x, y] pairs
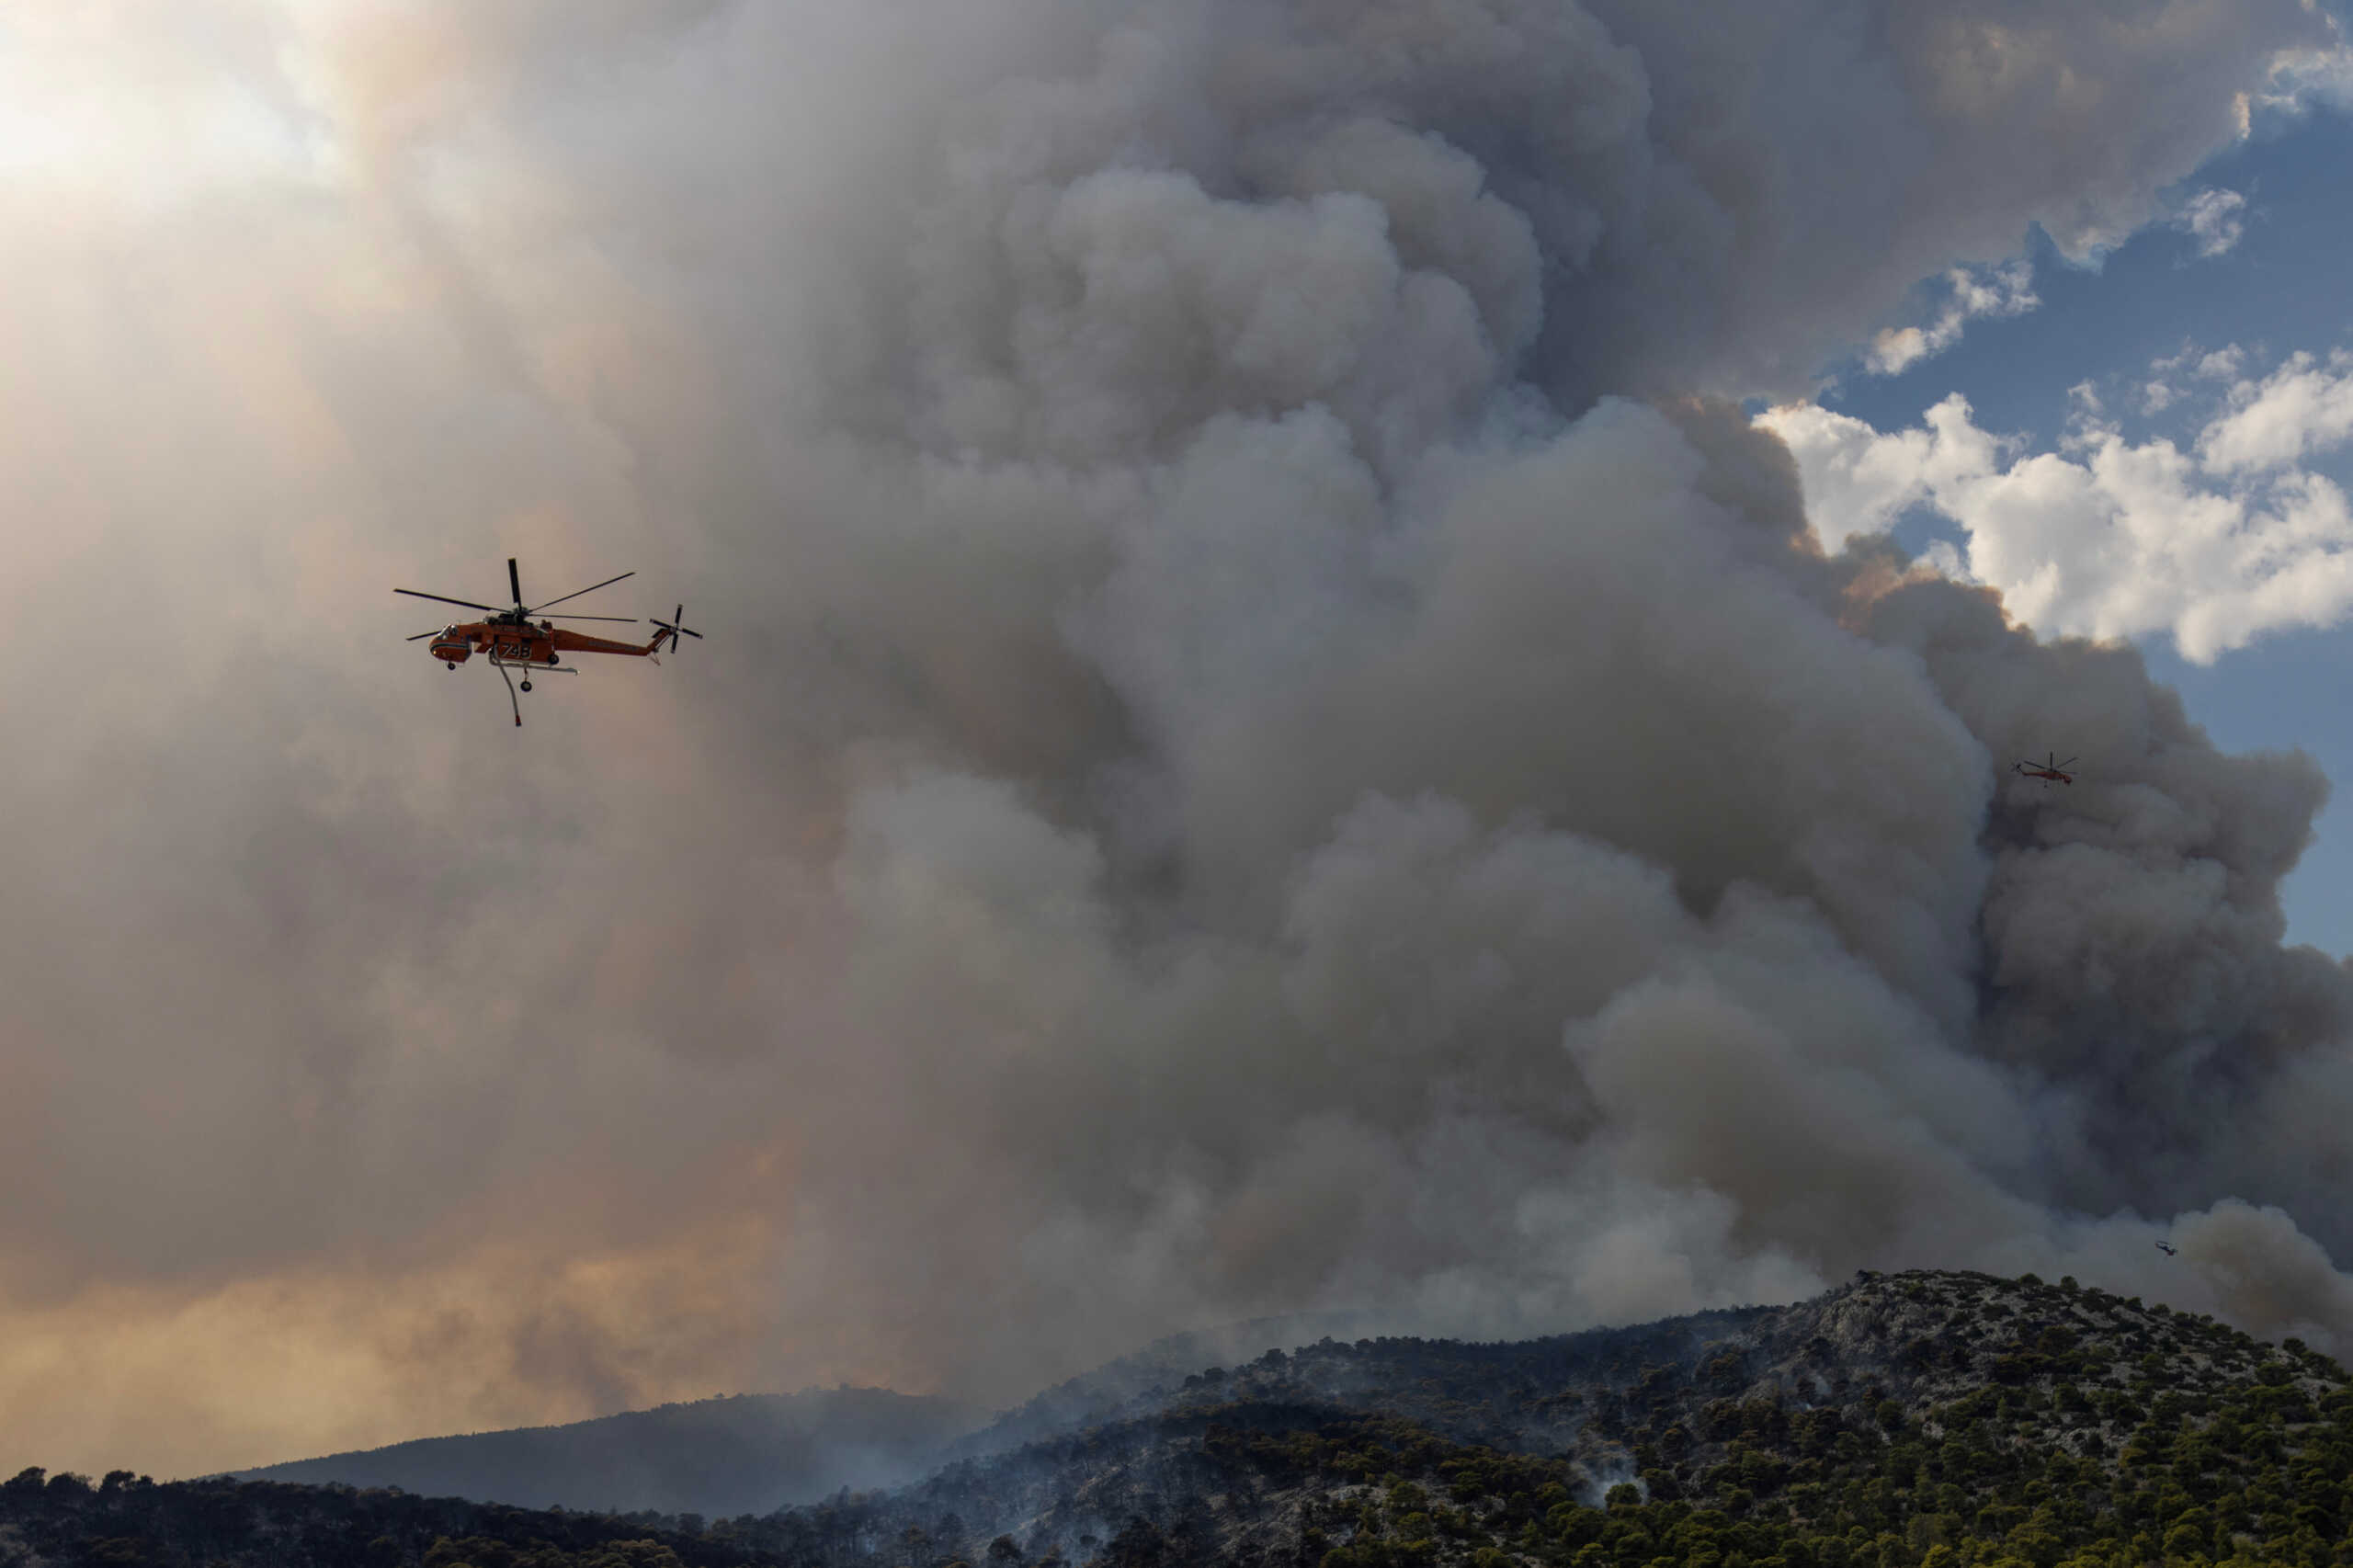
{"points": [[674, 628]]}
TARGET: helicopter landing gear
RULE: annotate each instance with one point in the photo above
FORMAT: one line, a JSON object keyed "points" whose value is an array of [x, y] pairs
{"points": [[527, 684]]}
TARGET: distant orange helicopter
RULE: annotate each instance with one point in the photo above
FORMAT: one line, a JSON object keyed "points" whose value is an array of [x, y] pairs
{"points": [[509, 640], [2049, 771]]}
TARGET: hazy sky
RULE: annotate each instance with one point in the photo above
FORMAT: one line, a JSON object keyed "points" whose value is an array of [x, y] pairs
{"points": [[1279, 727]]}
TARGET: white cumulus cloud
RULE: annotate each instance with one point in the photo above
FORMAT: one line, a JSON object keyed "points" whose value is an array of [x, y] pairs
{"points": [[2303, 78], [2215, 218], [2305, 406], [2005, 291], [2213, 544]]}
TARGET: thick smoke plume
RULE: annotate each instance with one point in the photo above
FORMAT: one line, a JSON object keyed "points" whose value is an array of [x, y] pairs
{"points": [[1269, 738]]}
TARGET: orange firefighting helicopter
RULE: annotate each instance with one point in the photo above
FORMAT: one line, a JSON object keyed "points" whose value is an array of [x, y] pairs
{"points": [[2049, 771], [508, 638]]}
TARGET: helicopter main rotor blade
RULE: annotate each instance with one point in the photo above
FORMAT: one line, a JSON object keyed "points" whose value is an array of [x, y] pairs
{"points": [[590, 589], [514, 581], [2069, 762], [448, 600], [627, 618]]}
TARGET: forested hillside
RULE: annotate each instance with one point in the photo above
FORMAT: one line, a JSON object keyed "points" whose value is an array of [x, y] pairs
{"points": [[1918, 1420]]}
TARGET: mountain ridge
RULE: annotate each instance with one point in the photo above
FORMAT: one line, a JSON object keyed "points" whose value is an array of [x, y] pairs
{"points": [[1810, 1396], [1917, 1420], [729, 1454]]}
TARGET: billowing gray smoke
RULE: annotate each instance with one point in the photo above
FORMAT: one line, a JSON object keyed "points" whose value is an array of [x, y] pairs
{"points": [[1269, 739]]}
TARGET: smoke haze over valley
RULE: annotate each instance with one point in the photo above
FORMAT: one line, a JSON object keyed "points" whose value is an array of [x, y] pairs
{"points": [[1273, 737]]}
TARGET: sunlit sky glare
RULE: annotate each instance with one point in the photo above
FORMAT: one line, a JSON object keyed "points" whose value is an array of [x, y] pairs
{"points": [[187, 107]]}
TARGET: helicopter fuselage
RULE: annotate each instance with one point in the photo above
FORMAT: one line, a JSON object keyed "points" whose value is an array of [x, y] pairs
{"points": [[504, 640]]}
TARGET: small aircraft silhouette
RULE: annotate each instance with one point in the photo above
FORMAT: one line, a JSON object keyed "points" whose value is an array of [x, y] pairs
{"points": [[2050, 772], [2165, 1248], [509, 640]]}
